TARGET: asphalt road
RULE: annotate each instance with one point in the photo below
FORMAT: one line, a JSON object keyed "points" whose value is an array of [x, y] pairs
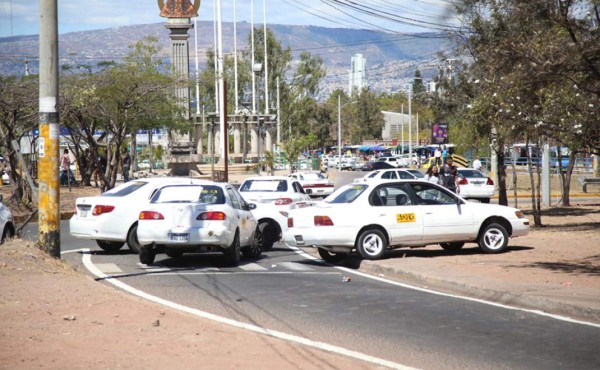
{"points": [[291, 293]]}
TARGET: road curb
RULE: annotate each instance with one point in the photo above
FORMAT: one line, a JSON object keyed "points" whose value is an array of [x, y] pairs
{"points": [[449, 286]]}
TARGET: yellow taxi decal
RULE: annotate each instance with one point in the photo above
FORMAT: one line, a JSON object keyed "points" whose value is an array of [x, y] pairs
{"points": [[405, 217]]}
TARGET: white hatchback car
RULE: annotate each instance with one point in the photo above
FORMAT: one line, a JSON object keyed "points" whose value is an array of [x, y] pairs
{"points": [[314, 183], [394, 161], [391, 174], [111, 218], [395, 214], [195, 218], [272, 196], [473, 184], [7, 223]]}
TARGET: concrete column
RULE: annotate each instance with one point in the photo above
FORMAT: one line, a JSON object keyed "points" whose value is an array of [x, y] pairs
{"points": [[236, 138], [253, 139], [268, 139]]}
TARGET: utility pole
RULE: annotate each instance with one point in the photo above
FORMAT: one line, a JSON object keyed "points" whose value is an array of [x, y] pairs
{"points": [[49, 127]]}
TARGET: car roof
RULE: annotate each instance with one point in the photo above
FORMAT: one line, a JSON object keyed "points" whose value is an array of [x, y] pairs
{"points": [[254, 178]]}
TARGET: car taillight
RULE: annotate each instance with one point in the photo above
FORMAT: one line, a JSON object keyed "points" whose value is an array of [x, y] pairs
{"points": [[463, 181], [211, 216], [323, 221], [151, 215], [290, 222], [283, 201], [99, 209], [490, 181]]}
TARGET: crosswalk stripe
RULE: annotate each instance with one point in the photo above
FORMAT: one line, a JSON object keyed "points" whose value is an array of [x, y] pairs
{"points": [[294, 266], [252, 267]]}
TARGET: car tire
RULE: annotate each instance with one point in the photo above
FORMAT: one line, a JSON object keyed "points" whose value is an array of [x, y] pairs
{"points": [[452, 247], [132, 239], [147, 255], [174, 254], [372, 244], [332, 257], [109, 246], [254, 250], [493, 239], [232, 253], [268, 234]]}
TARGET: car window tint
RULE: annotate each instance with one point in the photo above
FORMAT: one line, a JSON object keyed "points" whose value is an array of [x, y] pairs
{"points": [[265, 185], [127, 189], [298, 188], [235, 203], [211, 194], [428, 194], [389, 175], [373, 174], [391, 195], [406, 175], [470, 173], [346, 194]]}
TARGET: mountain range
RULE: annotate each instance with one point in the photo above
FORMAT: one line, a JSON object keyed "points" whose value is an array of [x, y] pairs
{"points": [[391, 58]]}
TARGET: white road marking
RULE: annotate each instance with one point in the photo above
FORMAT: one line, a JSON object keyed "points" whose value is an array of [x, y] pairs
{"points": [[407, 286], [87, 262], [252, 267], [294, 266]]}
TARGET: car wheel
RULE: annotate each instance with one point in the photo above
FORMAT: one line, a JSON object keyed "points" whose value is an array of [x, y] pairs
{"points": [[174, 254], [268, 234], [147, 255], [132, 239], [8, 233], [109, 246], [372, 244], [254, 250], [484, 200], [453, 247], [232, 253], [493, 239], [331, 257]]}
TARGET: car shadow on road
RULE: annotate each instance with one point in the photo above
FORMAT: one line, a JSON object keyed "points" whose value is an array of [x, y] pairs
{"points": [[354, 260]]}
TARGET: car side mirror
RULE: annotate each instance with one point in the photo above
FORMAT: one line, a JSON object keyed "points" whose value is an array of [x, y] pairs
{"points": [[251, 206]]}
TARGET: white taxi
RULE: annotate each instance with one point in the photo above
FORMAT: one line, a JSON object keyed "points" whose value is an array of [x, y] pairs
{"points": [[197, 218], [111, 218], [314, 183], [375, 216], [473, 184], [272, 196]]}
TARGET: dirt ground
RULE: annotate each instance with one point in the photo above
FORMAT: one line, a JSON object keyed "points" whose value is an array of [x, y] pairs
{"points": [[54, 317]]}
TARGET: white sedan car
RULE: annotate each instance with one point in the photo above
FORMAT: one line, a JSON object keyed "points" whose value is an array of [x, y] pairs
{"points": [[196, 218], [272, 196], [314, 183], [474, 184], [391, 174], [111, 219], [7, 223], [375, 216]]}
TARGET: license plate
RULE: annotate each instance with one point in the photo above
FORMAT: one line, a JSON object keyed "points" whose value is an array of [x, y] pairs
{"points": [[180, 238]]}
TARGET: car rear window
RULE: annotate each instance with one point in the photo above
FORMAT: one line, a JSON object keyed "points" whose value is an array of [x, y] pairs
{"points": [[470, 173], [125, 189], [178, 194], [265, 185]]}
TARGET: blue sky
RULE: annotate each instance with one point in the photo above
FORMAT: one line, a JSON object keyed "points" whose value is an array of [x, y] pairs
{"points": [[21, 17]]}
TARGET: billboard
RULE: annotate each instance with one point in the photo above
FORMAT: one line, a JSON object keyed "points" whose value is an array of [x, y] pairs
{"points": [[439, 133]]}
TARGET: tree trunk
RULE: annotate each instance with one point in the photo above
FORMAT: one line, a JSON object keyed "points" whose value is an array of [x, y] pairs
{"points": [[502, 194]]}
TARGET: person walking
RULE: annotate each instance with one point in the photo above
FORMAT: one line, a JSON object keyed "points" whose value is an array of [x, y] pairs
{"points": [[126, 162], [432, 174], [444, 154], [65, 163], [477, 164], [448, 175], [438, 156]]}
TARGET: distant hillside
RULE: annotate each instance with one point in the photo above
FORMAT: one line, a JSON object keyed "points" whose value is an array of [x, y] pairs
{"points": [[390, 57]]}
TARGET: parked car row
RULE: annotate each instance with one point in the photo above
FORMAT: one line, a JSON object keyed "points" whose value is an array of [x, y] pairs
{"points": [[397, 208]]}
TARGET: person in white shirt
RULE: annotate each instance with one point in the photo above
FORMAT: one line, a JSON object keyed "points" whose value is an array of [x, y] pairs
{"points": [[477, 164], [438, 156], [432, 174]]}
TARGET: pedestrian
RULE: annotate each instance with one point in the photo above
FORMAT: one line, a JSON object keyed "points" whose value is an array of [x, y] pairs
{"points": [[444, 154], [448, 176], [477, 164], [126, 162], [432, 174], [65, 163], [438, 156]]}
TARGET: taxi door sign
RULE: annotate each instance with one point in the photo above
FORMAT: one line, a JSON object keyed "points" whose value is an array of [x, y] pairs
{"points": [[405, 217]]}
